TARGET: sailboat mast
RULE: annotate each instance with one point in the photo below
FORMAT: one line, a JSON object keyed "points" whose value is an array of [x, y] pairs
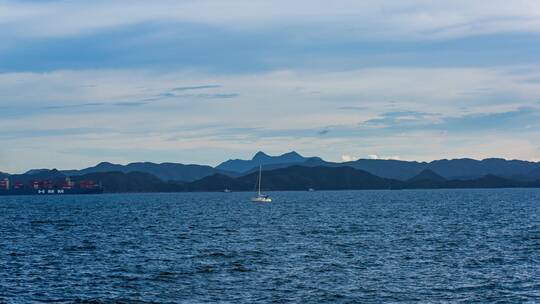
{"points": [[260, 178]]}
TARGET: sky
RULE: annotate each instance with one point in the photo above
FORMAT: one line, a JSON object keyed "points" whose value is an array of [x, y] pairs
{"points": [[203, 81]]}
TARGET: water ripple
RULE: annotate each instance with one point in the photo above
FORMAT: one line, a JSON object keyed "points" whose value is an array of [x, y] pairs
{"points": [[458, 246]]}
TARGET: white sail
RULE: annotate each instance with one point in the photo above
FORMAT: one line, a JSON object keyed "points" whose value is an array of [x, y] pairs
{"points": [[260, 198]]}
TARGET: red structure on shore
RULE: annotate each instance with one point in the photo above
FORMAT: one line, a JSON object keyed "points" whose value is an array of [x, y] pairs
{"points": [[66, 186]]}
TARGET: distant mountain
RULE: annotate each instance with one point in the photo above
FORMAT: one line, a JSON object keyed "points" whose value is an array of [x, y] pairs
{"points": [[430, 180], [427, 175], [292, 171], [36, 171], [3, 175], [488, 181], [388, 168], [464, 168], [426, 179], [261, 158], [163, 171], [310, 162], [533, 175], [448, 169], [467, 168], [343, 178], [219, 182], [119, 182], [291, 178], [298, 178], [43, 174]]}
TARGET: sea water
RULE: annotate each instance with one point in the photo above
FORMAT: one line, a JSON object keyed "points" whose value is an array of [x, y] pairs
{"points": [[309, 247]]}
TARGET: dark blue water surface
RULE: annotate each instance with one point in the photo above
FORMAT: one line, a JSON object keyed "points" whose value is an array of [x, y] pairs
{"points": [[310, 247]]}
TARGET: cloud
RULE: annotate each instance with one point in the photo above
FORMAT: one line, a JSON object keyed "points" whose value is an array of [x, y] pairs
{"points": [[323, 132], [94, 105], [172, 93], [200, 87], [202, 96], [211, 96], [348, 158], [513, 120], [131, 103], [72, 106], [413, 90], [353, 108], [390, 19], [402, 119], [64, 132], [405, 110], [264, 35], [375, 156], [167, 94], [207, 78]]}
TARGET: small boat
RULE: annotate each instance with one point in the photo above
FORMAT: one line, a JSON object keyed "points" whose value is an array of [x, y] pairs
{"points": [[311, 190], [260, 198], [227, 190]]}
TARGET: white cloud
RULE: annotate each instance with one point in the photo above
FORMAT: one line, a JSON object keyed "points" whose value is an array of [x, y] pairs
{"points": [[375, 156], [364, 19], [450, 91], [348, 158], [273, 111], [270, 113]]}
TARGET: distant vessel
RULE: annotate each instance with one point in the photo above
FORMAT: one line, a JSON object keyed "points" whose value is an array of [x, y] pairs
{"points": [[47, 187], [311, 190], [260, 198], [227, 190]]}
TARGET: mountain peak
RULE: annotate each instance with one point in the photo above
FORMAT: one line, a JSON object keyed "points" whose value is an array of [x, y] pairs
{"points": [[292, 154], [35, 171], [260, 158], [260, 155], [427, 175]]}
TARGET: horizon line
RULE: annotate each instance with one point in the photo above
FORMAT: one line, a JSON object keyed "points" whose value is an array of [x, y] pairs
{"points": [[274, 156]]}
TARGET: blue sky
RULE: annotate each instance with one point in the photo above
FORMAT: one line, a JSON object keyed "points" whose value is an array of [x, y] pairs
{"points": [[203, 81]]}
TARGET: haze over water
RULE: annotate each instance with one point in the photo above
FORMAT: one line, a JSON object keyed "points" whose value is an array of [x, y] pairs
{"points": [[348, 246]]}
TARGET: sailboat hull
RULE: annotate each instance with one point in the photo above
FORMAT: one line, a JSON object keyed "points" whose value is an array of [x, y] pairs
{"points": [[261, 200]]}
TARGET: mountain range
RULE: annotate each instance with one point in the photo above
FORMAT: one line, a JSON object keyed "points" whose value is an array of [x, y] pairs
{"points": [[464, 168], [292, 171], [291, 178], [163, 171], [269, 162], [450, 169]]}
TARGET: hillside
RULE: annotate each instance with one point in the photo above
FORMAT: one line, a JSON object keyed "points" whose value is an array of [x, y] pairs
{"points": [[119, 182], [261, 158], [163, 171], [299, 178]]}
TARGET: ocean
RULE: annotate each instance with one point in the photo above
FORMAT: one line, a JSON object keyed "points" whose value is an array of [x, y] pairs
{"points": [[437, 246]]}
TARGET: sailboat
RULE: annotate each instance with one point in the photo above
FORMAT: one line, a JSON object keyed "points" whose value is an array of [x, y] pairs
{"points": [[260, 198]]}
